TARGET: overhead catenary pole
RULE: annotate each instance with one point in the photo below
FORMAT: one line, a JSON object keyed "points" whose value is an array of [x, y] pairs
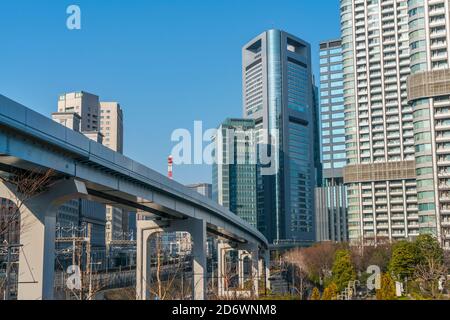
{"points": [[73, 251], [8, 271], [88, 259], [9, 263]]}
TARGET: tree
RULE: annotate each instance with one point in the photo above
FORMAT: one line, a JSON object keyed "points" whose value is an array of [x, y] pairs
{"points": [[404, 260], [431, 267], [330, 292], [168, 277], [446, 257], [315, 295], [428, 248], [316, 261], [428, 276], [387, 290], [368, 255], [295, 260], [380, 256], [25, 185], [343, 271]]}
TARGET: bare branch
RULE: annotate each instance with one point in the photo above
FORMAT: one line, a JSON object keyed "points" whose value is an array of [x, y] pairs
{"points": [[26, 185]]}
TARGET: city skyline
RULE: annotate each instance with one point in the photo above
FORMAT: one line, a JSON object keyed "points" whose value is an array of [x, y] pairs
{"points": [[145, 84], [264, 150]]}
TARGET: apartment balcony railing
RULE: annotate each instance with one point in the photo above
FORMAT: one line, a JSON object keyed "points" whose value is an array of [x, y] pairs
{"points": [[443, 149]]}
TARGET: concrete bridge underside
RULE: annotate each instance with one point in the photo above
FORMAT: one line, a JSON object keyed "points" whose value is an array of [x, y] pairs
{"points": [[83, 168]]}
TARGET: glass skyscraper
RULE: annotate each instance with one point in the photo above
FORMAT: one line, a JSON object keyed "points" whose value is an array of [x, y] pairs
{"points": [[234, 171], [332, 109], [278, 93], [331, 204]]}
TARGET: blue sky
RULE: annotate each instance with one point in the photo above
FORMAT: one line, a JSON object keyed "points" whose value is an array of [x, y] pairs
{"points": [[168, 62]]}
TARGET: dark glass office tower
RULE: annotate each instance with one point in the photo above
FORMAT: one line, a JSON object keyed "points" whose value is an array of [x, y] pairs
{"points": [[278, 93], [234, 172]]}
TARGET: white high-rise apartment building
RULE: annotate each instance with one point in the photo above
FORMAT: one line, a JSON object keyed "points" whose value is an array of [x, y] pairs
{"points": [[429, 96], [380, 150], [111, 126]]}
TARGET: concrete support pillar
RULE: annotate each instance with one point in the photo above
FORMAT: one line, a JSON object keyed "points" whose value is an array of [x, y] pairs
{"points": [[144, 229], [260, 266], [222, 248], [255, 273], [253, 251], [267, 269], [197, 229], [37, 235], [241, 256]]}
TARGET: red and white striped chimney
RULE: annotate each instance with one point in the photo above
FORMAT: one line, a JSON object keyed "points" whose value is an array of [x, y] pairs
{"points": [[170, 167]]}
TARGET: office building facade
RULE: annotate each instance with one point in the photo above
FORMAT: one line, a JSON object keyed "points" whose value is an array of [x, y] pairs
{"points": [[111, 127], [68, 119], [79, 111], [103, 123], [278, 94], [9, 222], [204, 189], [332, 109], [84, 104], [234, 171], [331, 202]]}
